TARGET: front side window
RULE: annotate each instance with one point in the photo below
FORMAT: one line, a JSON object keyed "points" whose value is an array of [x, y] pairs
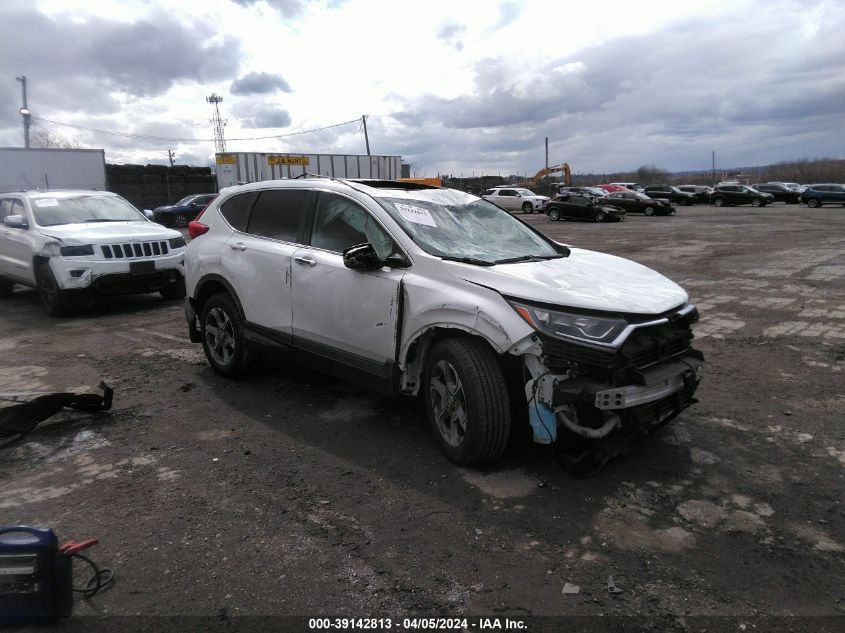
{"points": [[340, 223], [456, 225], [83, 208], [276, 214]]}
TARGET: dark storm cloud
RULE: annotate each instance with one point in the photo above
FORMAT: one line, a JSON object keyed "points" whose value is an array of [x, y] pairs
{"points": [[289, 8], [259, 83], [451, 34], [265, 116], [84, 61], [665, 98]]}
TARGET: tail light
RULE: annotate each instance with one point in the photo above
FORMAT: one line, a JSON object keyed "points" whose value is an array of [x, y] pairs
{"points": [[195, 229]]}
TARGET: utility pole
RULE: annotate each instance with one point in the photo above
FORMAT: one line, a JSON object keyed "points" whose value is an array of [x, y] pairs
{"points": [[547, 152], [219, 140], [25, 113], [366, 136], [171, 156]]}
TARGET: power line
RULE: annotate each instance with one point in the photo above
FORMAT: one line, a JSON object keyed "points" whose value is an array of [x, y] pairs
{"points": [[189, 140]]}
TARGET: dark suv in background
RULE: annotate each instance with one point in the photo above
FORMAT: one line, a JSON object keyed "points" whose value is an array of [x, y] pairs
{"points": [[729, 195], [781, 193], [700, 193], [817, 195], [181, 213], [668, 192]]}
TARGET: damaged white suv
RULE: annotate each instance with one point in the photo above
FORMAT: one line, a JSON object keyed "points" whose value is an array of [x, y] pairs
{"points": [[415, 290], [70, 244]]}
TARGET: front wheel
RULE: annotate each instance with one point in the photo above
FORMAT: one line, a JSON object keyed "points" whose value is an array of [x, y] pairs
{"points": [[600, 216], [554, 215], [55, 301], [648, 211], [181, 220], [527, 207], [814, 203], [672, 212], [221, 331], [467, 400], [755, 203], [176, 291], [718, 202]]}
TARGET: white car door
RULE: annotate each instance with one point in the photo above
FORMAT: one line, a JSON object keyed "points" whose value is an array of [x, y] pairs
{"points": [[17, 245], [343, 316], [257, 258]]}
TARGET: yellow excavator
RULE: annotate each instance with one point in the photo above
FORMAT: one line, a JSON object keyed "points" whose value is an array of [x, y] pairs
{"points": [[535, 181]]}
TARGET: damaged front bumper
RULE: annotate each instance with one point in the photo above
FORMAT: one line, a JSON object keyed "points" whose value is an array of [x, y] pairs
{"points": [[594, 402]]}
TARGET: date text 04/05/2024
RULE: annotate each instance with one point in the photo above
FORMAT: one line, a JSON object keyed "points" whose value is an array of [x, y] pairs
{"points": [[416, 624]]}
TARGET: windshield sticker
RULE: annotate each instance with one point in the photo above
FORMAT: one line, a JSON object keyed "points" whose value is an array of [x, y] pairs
{"points": [[417, 215], [46, 202]]}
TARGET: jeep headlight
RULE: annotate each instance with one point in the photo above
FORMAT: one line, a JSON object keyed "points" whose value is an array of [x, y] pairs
{"points": [[176, 242], [76, 251], [568, 325]]}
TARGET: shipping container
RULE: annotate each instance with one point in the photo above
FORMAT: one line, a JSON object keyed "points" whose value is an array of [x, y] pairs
{"points": [[233, 168], [51, 168]]}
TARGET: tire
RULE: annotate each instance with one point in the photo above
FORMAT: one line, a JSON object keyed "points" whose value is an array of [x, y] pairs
{"points": [[6, 288], [527, 207], [757, 203], [176, 291], [672, 212], [181, 220], [221, 332], [648, 211], [55, 301], [554, 215], [718, 202], [600, 216], [466, 397], [814, 203]]}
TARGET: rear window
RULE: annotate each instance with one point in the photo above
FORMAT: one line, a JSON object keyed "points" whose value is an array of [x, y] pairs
{"points": [[236, 210], [276, 214]]}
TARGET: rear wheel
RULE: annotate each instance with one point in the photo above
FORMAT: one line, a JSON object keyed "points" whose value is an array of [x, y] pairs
{"points": [[554, 215], [814, 203], [527, 207], [648, 211], [719, 202], [55, 301], [600, 216], [221, 331], [467, 401], [755, 203]]}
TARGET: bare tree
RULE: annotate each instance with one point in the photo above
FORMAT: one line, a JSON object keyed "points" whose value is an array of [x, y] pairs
{"points": [[45, 138]]}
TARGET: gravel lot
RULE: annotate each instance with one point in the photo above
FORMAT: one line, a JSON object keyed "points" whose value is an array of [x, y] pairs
{"points": [[290, 493]]}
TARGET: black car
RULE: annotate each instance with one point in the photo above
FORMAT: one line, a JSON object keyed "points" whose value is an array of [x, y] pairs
{"points": [[668, 192], [817, 195], [636, 202], [700, 193], [729, 195], [574, 207], [183, 211], [781, 193], [590, 192]]}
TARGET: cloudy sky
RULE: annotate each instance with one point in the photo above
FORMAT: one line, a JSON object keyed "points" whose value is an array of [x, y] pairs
{"points": [[452, 86]]}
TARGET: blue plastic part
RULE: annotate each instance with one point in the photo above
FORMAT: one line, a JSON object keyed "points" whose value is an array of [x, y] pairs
{"points": [[543, 422]]}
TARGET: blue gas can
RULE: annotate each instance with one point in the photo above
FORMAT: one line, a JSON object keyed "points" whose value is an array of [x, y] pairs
{"points": [[35, 578]]}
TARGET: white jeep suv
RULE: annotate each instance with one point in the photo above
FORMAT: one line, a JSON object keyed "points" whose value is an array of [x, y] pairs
{"points": [[70, 244], [516, 199], [409, 289]]}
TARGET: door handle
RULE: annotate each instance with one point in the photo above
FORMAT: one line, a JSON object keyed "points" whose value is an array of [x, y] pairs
{"points": [[238, 246], [305, 261]]}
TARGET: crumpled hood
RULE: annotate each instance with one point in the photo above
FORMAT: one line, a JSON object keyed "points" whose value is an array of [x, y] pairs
{"points": [[108, 232], [585, 279]]}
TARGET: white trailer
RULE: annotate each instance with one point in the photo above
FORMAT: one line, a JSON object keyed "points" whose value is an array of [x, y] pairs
{"points": [[233, 168], [51, 168]]}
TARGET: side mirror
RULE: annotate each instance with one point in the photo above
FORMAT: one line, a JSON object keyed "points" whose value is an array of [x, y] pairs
{"points": [[148, 214], [15, 222], [362, 257]]}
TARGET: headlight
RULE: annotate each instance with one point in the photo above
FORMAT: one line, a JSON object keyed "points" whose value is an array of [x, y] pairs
{"points": [[75, 251], [585, 328], [176, 242]]}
